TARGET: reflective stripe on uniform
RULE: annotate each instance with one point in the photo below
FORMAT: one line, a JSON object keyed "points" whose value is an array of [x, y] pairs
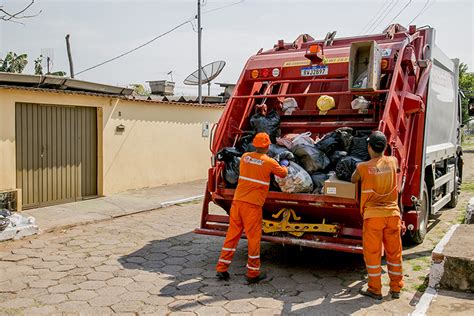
{"points": [[225, 261], [394, 264], [373, 267], [394, 273], [254, 257], [228, 249], [374, 274], [254, 180], [252, 268]]}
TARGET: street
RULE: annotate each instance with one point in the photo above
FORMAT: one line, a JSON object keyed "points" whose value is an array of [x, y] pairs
{"points": [[152, 263]]}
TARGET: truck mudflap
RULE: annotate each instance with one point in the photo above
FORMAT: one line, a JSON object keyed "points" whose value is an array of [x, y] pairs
{"points": [[311, 241]]}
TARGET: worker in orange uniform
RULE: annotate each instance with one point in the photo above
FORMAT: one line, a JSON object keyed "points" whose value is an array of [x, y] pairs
{"points": [[382, 222], [246, 211]]}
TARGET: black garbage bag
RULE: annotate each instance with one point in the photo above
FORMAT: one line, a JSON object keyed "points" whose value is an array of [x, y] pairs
{"points": [[344, 137], [328, 143], [228, 153], [310, 158], [340, 140], [318, 181], [334, 158], [231, 157], [232, 170], [274, 150], [346, 167], [269, 124], [297, 180], [246, 142], [359, 148]]}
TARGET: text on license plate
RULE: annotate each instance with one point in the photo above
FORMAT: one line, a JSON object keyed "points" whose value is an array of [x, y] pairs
{"points": [[314, 71]]}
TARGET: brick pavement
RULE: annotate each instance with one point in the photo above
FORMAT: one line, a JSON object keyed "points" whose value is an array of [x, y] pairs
{"points": [[152, 263]]}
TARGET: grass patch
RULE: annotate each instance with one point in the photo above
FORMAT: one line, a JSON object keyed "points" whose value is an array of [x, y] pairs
{"points": [[417, 267], [467, 187], [421, 288], [460, 218]]}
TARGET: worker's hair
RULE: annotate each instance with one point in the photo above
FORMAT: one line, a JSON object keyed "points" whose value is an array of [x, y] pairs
{"points": [[377, 149]]}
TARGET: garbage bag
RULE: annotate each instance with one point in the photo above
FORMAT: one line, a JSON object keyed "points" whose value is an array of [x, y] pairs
{"points": [[318, 181], [290, 140], [232, 170], [335, 157], [328, 143], [346, 167], [274, 150], [297, 180], [228, 153], [359, 148], [325, 103], [269, 124], [360, 103], [231, 158], [310, 158], [246, 143], [289, 105]]}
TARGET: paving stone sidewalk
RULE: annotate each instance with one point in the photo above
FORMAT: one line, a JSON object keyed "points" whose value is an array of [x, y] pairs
{"points": [[116, 205]]}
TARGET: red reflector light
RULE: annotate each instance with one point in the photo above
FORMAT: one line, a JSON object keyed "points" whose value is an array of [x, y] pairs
{"points": [[265, 73]]}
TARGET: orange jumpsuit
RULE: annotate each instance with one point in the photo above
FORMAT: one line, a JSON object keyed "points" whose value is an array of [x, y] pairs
{"points": [[382, 224], [246, 210]]}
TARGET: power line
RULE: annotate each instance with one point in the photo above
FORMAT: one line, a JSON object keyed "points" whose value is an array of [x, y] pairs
{"points": [[157, 37], [403, 9], [136, 48], [376, 15], [387, 12], [423, 10]]}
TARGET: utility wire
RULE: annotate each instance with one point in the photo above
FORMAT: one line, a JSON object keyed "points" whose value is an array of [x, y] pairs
{"points": [[384, 15], [398, 14], [157, 37], [423, 10], [136, 48], [376, 15]]}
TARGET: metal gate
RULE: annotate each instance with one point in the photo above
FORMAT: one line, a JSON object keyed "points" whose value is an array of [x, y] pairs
{"points": [[56, 153]]}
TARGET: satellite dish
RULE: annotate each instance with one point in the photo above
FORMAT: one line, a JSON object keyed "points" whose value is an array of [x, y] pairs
{"points": [[208, 73]]}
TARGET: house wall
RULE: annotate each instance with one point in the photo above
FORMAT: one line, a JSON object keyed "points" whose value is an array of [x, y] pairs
{"points": [[161, 144]]}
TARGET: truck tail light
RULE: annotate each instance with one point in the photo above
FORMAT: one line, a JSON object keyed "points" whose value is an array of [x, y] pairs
{"points": [[265, 73]]}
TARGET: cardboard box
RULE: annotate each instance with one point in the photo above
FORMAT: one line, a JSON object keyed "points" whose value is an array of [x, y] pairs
{"points": [[365, 56], [338, 188]]}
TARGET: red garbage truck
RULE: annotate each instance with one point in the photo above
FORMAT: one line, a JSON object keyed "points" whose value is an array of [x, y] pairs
{"points": [[412, 87]]}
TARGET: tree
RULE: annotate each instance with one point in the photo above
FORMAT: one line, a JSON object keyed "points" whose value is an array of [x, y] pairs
{"points": [[38, 66], [13, 63], [466, 85], [139, 89], [15, 16]]}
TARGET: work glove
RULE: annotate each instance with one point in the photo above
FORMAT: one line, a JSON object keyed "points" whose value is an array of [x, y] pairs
{"points": [[284, 163]]}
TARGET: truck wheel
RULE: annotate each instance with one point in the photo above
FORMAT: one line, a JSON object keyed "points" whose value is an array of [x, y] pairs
{"points": [[455, 194], [418, 236]]}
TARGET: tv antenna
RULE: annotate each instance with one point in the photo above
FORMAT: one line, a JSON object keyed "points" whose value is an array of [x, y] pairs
{"points": [[48, 55], [208, 73]]}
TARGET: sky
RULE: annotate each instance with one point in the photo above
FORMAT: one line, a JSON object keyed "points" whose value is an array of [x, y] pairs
{"points": [[102, 29]]}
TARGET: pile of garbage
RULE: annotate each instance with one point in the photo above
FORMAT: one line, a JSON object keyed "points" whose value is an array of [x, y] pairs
{"points": [[313, 159], [16, 226]]}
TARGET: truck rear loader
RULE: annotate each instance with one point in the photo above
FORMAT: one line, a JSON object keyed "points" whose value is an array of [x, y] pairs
{"points": [[413, 89]]}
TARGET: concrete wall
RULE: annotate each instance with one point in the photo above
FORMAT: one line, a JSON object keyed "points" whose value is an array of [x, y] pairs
{"points": [[162, 143]]}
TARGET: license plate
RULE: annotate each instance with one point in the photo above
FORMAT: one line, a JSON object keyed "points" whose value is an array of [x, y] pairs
{"points": [[314, 71]]}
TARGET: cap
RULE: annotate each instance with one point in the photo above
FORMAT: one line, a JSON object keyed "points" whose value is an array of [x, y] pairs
{"points": [[261, 140], [377, 141]]}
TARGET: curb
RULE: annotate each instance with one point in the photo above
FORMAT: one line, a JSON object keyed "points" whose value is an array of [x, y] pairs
{"points": [[436, 273], [123, 214]]}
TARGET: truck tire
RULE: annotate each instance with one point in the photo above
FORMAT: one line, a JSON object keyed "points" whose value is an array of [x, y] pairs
{"points": [[455, 194], [417, 236]]}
